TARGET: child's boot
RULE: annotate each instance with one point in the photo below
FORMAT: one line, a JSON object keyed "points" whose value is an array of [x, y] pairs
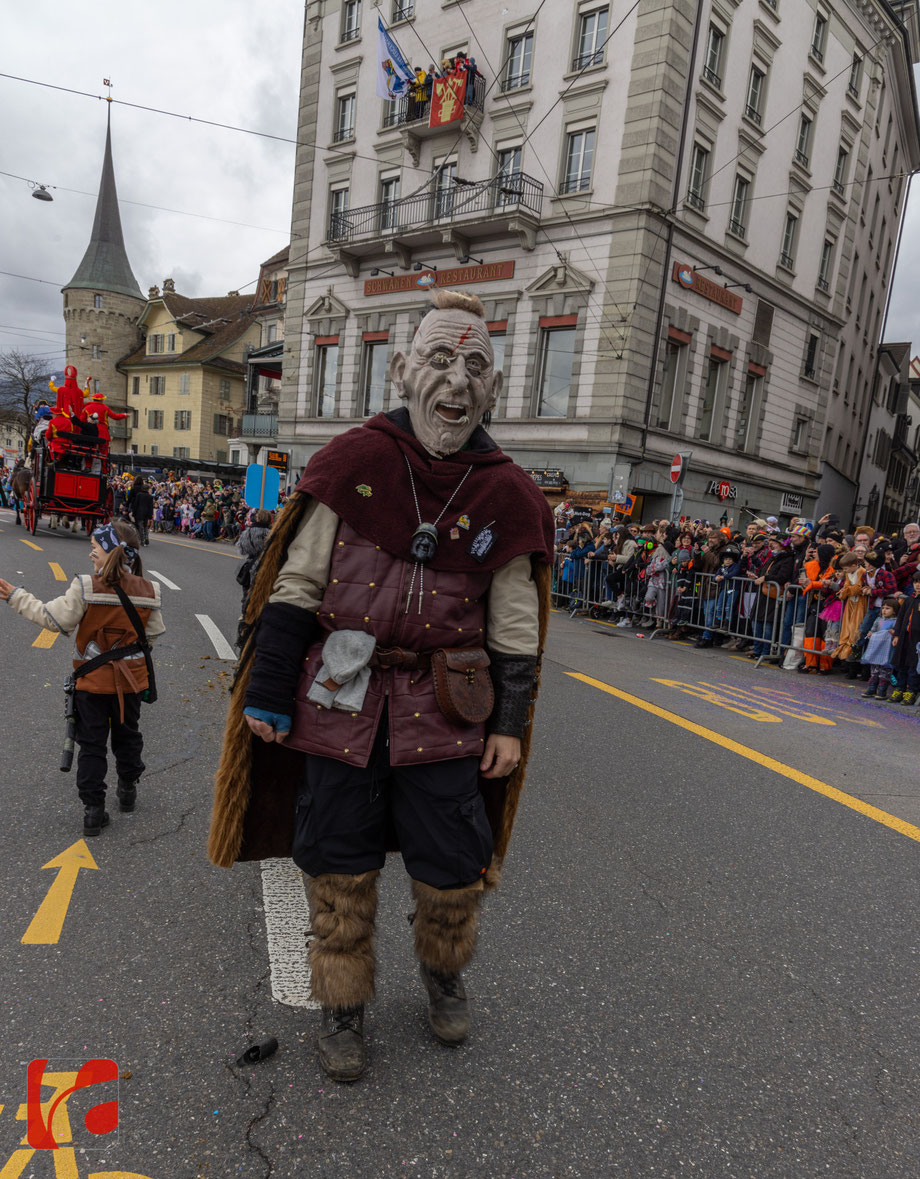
{"points": [[127, 795], [871, 689], [882, 693], [94, 819]]}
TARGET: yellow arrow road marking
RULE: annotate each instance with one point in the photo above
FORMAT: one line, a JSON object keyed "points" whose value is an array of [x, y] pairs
{"points": [[59, 574], [46, 639], [38, 548], [761, 759], [45, 928]]}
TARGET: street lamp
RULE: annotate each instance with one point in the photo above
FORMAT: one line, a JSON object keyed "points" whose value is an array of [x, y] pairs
{"points": [[423, 266], [378, 270], [41, 193]]}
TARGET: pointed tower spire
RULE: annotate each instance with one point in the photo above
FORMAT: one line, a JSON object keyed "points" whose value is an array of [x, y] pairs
{"points": [[105, 265]]}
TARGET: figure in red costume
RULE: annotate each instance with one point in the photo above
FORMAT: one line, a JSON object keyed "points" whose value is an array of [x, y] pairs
{"points": [[60, 423], [69, 395], [97, 411]]}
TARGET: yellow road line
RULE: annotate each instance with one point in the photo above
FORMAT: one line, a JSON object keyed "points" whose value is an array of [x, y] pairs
{"points": [[59, 574], [37, 547], [761, 759], [46, 639]]}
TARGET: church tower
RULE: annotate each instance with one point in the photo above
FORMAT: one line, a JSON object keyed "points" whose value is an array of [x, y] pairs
{"points": [[102, 302]]}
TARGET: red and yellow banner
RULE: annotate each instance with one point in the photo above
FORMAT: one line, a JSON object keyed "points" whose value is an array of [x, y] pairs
{"points": [[447, 97]]}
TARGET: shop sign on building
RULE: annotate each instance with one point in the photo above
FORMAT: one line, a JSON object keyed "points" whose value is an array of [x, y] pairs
{"points": [[552, 480], [685, 276], [722, 488], [457, 276]]}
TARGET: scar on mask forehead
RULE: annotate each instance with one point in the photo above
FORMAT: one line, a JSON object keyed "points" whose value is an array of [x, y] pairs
{"points": [[468, 332]]}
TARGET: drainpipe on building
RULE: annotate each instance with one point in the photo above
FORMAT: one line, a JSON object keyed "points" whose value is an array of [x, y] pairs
{"points": [[675, 201]]}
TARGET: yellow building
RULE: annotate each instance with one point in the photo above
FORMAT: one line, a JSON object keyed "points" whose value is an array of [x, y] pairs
{"points": [[186, 383]]}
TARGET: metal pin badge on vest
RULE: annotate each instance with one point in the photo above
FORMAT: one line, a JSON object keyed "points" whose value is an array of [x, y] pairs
{"points": [[424, 543], [483, 542]]}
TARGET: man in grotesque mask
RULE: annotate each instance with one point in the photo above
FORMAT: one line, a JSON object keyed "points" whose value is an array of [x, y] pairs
{"points": [[388, 678]]}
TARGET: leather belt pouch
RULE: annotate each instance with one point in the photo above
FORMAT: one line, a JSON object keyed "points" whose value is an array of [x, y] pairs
{"points": [[462, 684]]}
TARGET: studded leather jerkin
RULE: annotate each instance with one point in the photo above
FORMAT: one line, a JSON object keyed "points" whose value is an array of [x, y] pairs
{"points": [[367, 590]]}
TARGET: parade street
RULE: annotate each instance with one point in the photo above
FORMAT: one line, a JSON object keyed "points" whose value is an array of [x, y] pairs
{"points": [[702, 960]]}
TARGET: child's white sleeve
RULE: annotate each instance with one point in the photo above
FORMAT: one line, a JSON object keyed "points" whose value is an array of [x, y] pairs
{"points": [[60, 614]]}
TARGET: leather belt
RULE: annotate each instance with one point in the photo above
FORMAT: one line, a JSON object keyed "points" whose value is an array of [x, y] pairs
{"points": [[399, 657]]}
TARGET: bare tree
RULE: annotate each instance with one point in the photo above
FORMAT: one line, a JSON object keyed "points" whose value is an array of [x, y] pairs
{"points": [[23, 381]]}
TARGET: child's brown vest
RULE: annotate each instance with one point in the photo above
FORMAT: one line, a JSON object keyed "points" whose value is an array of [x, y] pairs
{"points": [[107, 625]]}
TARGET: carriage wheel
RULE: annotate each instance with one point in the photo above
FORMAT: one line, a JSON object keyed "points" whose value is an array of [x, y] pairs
{"points": [[30, 508]]}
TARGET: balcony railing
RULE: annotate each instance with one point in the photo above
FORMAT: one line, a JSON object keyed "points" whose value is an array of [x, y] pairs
{"points": [[506, 191], [737, 227], [259, 425], [594, 57], [753, 114], [408, 110]]}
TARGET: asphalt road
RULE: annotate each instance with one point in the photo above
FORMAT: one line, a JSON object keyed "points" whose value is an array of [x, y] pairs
{"points": [[702, 959]]}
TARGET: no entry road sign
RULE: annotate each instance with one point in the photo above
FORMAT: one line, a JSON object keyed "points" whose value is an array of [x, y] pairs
{"points": [[677, 466]]}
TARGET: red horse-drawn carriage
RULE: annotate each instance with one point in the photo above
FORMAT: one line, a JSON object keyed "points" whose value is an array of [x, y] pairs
{"points": [[72, 485], [69, 462]]}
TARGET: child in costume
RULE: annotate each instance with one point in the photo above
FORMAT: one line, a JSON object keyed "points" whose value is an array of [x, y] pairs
{"points": [[878, 650], [108, 688]]}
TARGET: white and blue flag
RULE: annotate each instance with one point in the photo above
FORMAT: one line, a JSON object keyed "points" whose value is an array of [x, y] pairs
{"points": [[394, 74]]}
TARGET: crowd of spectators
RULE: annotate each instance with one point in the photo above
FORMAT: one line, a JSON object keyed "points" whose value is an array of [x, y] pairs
{"points": [[810, 595], [420, 89], [211, 510]]}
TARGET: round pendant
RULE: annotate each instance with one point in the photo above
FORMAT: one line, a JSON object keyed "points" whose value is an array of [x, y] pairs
{"points": [[424, 543]]}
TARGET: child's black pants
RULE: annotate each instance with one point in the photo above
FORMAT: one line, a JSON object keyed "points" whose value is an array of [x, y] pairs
{"points": [[97, 716]]}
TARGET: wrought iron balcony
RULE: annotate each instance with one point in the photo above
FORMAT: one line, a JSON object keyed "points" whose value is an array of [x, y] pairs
{"points": [[259, 425], [405, 111], [505, 192]]}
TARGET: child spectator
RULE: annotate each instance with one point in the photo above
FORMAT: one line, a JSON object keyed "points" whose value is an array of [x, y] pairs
{"points": [[877, 654], [904, 644]]}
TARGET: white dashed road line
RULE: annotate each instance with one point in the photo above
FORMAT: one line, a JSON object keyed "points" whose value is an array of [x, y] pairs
{"points": [[165, 580], [221, 646], [287, 920]]}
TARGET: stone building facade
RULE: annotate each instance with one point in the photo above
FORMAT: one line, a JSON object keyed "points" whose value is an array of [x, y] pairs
{"points": [[650, 199], [187, 380]]}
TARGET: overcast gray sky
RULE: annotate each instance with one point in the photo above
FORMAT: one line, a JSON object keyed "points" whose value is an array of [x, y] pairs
{"points": [[232, 61]]}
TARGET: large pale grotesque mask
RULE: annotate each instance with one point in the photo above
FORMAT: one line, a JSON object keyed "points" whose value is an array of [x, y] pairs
{"points": [[448, 379]]}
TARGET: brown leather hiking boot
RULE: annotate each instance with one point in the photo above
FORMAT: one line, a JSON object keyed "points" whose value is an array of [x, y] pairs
{"points": [[448, 1007], [341, 1043]]}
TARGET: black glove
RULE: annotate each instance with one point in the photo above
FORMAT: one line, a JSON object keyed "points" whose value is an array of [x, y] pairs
{"points": [[284, 633], [513, 678]]}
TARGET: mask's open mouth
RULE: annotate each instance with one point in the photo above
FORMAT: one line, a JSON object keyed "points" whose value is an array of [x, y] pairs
{"points": [[451, 413]]}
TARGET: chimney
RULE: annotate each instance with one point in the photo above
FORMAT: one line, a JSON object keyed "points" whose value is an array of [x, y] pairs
{"points": [[153, 293], [169, 287], [231, 294]]}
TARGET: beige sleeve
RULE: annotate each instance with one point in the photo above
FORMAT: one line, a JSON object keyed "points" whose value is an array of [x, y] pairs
{"points": [[513, 622], [61, 614], [302, 578]]}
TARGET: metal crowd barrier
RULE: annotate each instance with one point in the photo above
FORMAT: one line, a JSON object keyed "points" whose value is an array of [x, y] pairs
{"points": [[785, 618]]}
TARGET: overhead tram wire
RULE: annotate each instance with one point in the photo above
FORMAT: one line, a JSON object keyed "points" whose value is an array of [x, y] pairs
{"points": [[204, 122], [617, 349]]}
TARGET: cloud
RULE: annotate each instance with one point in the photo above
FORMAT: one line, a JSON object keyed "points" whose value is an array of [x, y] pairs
{"points": [[240, 68]]}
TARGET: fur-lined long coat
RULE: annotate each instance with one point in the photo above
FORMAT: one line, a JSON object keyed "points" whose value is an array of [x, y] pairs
{"points": [[257, 781]]}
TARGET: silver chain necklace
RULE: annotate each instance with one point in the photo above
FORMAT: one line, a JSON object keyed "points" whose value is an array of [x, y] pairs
{"points": [[425, 538]]}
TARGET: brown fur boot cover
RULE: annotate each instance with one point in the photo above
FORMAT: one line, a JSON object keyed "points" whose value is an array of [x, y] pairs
{"points": [[342, 909], [446, 923]]}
